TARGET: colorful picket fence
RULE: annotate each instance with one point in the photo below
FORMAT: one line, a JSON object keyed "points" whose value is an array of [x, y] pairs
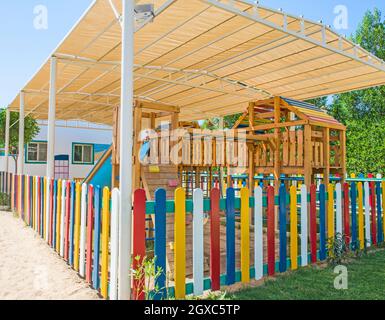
{"points": [[306, 219], [78, 221], [286, 229]]}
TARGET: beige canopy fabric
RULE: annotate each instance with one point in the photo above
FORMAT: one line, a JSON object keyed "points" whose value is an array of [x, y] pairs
{"points": [[207, 57]]}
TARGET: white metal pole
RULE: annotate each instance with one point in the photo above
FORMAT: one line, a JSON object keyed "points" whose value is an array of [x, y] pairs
{"points": [[20, 165], [51, 141], [126, 145], [51, 120], [7, 124]]}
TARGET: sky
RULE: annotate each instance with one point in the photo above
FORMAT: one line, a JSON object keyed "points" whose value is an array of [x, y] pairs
{"points": [[24, 47]]}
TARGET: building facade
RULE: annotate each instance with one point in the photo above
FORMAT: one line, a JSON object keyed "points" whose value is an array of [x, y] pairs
{"points": [[76, 152]]}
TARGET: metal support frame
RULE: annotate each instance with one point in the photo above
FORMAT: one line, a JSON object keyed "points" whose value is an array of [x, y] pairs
{"points": [[126, 150], [232, 8], [51, 120], [20, 165], [6, 151]]}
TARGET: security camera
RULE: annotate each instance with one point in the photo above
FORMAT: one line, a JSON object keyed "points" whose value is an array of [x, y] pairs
{"points": [[144, 12]]}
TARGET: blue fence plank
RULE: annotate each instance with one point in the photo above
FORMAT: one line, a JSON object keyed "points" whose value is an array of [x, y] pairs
{"points": [[230, 236], [282, 229], [380, 234], [353, 197], [97, 220], [72, 224], [42, 206], [30, 180], [322, 213], [54, 214], [160, 242]]}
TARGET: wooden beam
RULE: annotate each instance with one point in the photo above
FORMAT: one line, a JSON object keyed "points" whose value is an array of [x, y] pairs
{"points": [[277, 140], [326, 155], [328, 125], [251, 114], [239, 121], [308, 155], [281, 125], [137, 145], [158, 106], [251, 166], [343, 155]]}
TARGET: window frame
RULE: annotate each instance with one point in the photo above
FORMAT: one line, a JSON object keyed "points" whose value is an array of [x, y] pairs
{"points": [[38, 142], [82, 144]]}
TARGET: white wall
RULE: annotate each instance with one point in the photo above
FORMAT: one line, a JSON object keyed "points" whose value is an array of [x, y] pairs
{"points": [[64, 139]]}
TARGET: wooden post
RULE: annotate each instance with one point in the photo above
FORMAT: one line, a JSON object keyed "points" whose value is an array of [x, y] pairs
{"points": [[343, 155], [137, 144], [326, 156], [251, 167], [251, 115], [308, 156], [277, 142], [277, 153]]}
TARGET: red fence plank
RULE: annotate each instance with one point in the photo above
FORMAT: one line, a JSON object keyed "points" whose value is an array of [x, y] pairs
{"points": [[270, 231], [374, 216], [139, 243], [51, 229], [346, 214], [67, 221], [90, 219], [215, 251]]}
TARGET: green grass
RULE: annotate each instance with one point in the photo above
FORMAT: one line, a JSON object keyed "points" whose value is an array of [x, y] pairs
{"points": [[366, 281]]}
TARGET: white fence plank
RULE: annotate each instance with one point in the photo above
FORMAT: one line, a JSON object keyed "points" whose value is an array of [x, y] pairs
{"points": [[258, 233], [198, 248], [304, 228], [339, 208], [62, 217], [114, 244], [83, 230]]}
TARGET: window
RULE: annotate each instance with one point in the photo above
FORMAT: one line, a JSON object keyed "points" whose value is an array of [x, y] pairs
{"points": [[82, 153], [37, 152]]}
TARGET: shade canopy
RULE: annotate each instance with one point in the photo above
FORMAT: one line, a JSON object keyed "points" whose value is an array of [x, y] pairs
{"points": [[207, 57]]}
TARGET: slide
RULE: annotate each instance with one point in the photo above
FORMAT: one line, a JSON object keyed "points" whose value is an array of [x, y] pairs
{"points": [[152, 178], [101, 174]]}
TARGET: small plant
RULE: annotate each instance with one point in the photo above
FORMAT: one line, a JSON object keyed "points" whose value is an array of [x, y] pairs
{"points": [[5, 200], [146, 276], [337, 249]]}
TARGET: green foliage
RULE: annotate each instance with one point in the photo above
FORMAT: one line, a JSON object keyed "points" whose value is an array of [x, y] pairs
{"points": [[339, 253], [316, 282], [319, 102], [228, 122], [5, 200], [337, 249], [363, 111], [218, 296], [31, 129], [146, 274]]}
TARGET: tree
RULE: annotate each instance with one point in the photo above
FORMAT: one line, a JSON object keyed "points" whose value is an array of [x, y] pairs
{"points": [[363, 111], [31, 129]]}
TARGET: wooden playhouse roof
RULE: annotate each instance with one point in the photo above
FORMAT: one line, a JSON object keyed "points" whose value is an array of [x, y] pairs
{"points": [[206, 57], [313, 115]]}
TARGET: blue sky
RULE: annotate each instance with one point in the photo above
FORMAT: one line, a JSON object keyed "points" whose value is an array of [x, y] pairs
{"points": [[24, 49]]}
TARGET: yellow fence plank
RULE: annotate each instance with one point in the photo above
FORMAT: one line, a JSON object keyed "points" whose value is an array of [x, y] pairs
{"points": [[245, 235], [180, 244]]}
